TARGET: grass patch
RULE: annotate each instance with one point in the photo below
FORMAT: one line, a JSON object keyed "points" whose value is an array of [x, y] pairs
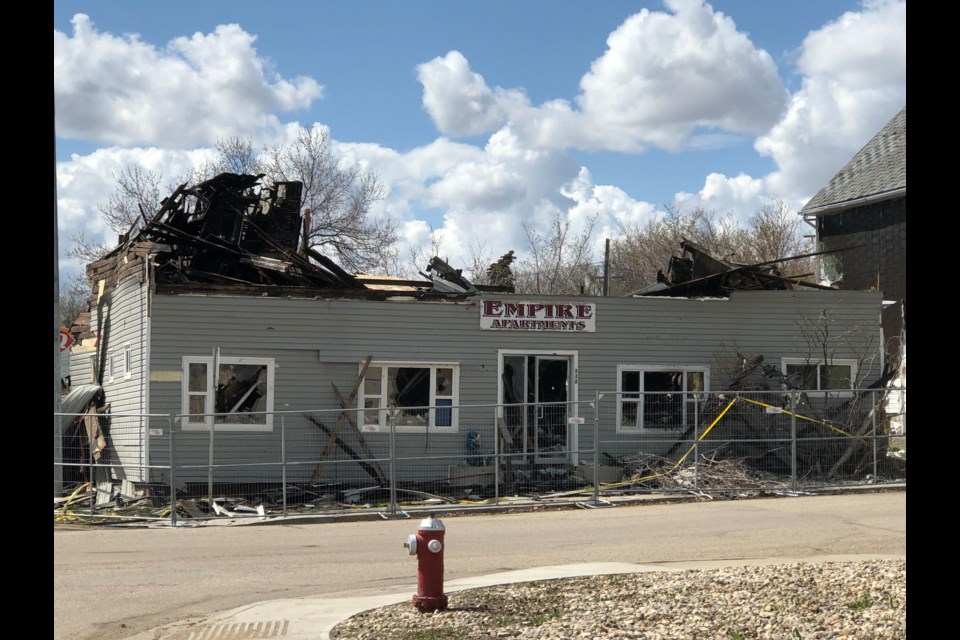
{"points": [[552, 614], [860, 603]]}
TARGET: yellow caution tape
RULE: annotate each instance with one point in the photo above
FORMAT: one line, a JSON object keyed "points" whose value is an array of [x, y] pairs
{"points": [[801, 417], [716, 420]]}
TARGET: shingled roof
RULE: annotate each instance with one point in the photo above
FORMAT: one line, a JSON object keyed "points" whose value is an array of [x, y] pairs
{"points": [[877, 172]]}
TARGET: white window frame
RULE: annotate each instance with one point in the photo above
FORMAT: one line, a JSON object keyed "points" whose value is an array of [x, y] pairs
{"points": [[119, 363], [381, 401], [127, 362], [836, 362], [190, 424], [641, 369]]}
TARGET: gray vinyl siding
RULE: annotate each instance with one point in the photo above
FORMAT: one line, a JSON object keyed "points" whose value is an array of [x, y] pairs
{"points": [[318, 342], [124, 325], [82, 367]]}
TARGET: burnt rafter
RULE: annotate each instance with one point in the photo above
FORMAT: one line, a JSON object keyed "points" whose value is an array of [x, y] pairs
{"points": [[698, 273], [230, 229]]}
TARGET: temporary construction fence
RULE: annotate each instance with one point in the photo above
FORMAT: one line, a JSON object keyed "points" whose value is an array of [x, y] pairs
{"points": [[392, 461]]}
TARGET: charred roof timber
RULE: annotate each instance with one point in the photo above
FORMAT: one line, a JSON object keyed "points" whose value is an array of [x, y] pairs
{"points": [[238, 234], [233, 229], [698, 273], [446, 278]]}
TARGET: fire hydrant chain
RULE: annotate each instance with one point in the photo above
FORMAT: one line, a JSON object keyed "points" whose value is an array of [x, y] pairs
{"points": [[427, 545]]}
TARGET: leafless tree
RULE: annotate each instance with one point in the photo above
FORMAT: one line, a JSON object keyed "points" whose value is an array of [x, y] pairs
{"points": [[477, 262], [418, 256], [561, 262], [85, 249], [338, 198], [137, 196], [777, 232], [74, 299], [236, 155]]}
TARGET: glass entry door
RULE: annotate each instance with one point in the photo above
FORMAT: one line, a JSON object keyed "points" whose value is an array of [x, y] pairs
{"points": [[535, 392]]}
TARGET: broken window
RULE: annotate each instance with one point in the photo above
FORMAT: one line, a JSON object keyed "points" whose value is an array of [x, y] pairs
{"points": [[652, 397], [814, 375], [242, 398], [421, 396]]}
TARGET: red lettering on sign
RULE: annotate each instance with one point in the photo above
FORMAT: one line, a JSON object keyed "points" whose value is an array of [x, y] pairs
{"points": [[491, 308], [514, 310]]}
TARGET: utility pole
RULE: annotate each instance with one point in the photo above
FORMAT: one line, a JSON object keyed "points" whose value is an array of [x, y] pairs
{"points": [[57, 437], [606, 268]]}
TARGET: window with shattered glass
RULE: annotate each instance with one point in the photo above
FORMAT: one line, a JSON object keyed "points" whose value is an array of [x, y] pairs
{"points": [[242, 396], [417, 397]]}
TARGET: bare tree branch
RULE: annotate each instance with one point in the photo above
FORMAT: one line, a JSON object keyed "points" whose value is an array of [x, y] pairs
{"points": [[559, 263], [339, 199], [771, 233], [137, 195]]}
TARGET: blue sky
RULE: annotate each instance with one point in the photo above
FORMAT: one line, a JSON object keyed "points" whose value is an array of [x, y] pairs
{"points": [[483, 117]]}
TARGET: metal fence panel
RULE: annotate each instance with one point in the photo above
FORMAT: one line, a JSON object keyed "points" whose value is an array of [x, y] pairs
{"points": [[104, 468], [392, 460]]}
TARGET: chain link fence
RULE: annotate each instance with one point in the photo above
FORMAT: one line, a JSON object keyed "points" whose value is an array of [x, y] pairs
{"points": [[393, 461]]}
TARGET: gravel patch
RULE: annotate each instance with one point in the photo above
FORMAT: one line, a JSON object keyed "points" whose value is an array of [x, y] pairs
{"points": [[865, 599]]}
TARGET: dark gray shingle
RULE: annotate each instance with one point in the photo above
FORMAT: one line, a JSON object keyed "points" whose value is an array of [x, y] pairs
{"points": [[879, 167]]}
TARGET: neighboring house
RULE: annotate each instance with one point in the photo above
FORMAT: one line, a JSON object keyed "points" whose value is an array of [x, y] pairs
{"points": [[862, 212], [168, 303]]}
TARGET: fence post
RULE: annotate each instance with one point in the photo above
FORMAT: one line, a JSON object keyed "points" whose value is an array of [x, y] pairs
{"points": [[596, 447], [93, 482], [696, 444], [496, 458], [873, 414], [213, 427], [393, 463], [793, 447], [283, 463], [173, 473]]}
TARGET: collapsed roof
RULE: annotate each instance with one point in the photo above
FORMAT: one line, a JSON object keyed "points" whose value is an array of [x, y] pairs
{"points": [[236, 232], [698, 273], [231, 229]]}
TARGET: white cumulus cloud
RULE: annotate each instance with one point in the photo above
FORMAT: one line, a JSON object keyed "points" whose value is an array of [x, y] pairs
{"points": [[854, 82], [663, 75], [121, 90], [458, 99]]}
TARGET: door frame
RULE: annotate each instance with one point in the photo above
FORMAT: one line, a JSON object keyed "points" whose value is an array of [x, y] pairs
{"points": [[573, 430]]}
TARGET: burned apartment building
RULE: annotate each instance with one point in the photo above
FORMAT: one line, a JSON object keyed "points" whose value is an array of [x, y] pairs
{"points": [[214, 313]]}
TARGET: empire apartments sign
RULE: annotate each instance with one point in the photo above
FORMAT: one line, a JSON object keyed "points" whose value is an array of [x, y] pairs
{"points": [[500, 315]]}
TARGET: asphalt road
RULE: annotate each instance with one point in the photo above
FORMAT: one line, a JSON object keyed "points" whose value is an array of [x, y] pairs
{"points": [[112, 583]]}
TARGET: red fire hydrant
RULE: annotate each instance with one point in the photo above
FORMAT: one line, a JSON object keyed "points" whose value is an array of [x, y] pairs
{"points": [[427, 545]]}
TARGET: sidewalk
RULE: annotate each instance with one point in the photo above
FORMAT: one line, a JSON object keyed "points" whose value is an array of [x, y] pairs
{"points": [[314, 618]]}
